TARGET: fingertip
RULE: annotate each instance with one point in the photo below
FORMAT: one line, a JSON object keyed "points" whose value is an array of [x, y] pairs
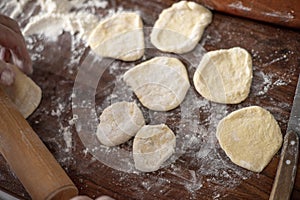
{"points": [[104, 197], [29, 68], [81, 198], [25, 65], [7, 77]]}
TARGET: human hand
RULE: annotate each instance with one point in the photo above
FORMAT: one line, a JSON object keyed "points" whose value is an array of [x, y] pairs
{"points": [[12, 50], [104, 197]]}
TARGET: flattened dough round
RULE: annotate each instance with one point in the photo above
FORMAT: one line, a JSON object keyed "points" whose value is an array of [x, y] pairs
{"points": [[250, 137], [152, 146], [180, 27], [119, 122], [120, 36], [224, 76], [160, 83]]}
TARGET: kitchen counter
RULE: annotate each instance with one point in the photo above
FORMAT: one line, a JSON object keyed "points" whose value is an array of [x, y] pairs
{"points": [[276, 63]]}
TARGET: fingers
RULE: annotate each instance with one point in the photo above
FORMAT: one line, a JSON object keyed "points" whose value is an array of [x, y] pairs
{"points": [[105, 198], [7, 75], [10, 23], [13, 41], [81, 198], [5, 55], [11, 38], [87, 198], [23, 62]]}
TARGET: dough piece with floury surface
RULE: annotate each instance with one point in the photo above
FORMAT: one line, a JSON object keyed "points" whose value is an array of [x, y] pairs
{"points": [[152, 146], [250, 137], [119, 122], [180, 27], [121, 37], [224, 76], [160, 83], [24, 92]]}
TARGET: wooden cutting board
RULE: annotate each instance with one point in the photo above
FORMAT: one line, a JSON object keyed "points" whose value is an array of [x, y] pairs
{"points": [[203, 172]]}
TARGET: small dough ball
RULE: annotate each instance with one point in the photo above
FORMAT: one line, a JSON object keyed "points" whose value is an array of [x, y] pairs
{"points": [[120, 36], [250, 137], [160, 83], [24, 92], [180, 27], [224, 76], [152, 146], [119, 122]]}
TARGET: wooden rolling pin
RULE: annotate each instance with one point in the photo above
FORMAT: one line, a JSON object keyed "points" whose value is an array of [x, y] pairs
{"points": [[281, 12], [28, 157]]}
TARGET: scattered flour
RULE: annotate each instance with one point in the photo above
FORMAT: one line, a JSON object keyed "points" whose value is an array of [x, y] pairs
{"points": [[194, 122], [280, 82], [57, 16], [195, 138], [274, 60], [64, 128], [53, 24], [67, 135], [58, 111], [46, 20], [270, 80], [284, 16], [36, 48], [13, 8], [239, 5], [266, 84]]}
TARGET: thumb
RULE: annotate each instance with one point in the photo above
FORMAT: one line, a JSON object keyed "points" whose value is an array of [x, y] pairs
{"points": [[7, 75]]}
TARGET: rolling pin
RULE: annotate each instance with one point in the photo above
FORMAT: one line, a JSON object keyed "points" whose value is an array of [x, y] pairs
{"points": [[281, 12], [27, 156]]}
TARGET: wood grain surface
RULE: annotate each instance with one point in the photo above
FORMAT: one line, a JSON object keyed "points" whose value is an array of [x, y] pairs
{"points": [[282, 12], [276, 60]]}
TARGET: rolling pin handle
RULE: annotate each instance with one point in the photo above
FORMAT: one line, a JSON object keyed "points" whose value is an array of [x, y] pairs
{"points": [[28, 157]]}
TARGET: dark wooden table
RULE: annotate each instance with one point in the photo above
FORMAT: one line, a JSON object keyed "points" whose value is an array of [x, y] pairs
{"points": [[276, 61]]}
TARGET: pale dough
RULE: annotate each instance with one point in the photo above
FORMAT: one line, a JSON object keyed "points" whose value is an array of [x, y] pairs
{"points": [[160, 83], [120, 36], [24, 92], [119, 122], [250, 137], [224, 76], [152, 146], [180, 27]]}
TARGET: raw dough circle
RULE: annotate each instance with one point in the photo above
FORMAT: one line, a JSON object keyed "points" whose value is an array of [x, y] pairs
{"points": [[120, 36], [152, 146], [250, 137], [224, 76], [180, 27], [119, 122], [160, 83]]}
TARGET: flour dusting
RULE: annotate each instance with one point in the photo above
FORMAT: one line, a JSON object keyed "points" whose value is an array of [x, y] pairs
{"points": [[57, 16], [239, 5], [194, 124], [44, 21], [198, 161], [285, 16]]}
